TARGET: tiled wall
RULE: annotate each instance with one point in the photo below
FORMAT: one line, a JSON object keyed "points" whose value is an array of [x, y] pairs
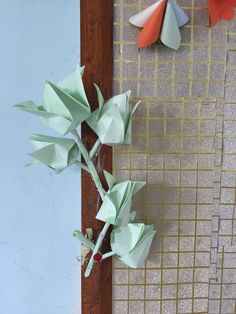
{"points": [[184, 147]]}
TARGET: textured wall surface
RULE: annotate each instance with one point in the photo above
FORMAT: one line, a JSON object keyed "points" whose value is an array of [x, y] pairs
{"points": [[39, 210], [184, 147]]}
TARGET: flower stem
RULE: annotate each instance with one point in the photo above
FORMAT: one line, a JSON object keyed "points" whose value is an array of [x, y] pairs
{"points": [[108, 254], [98, 184], [89, 163], [96, 249], [94, 148]]}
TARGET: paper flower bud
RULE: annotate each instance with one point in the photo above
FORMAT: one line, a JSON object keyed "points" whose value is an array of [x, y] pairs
{"points": [[116, 206], [55, 152], [132, 243], [65, 105], [112, 120]]}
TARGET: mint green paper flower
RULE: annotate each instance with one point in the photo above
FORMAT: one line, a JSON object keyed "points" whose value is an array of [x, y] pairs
{"points": [[116, 206], [132, 243], [55, 152], [112, 120], [65, 105]]}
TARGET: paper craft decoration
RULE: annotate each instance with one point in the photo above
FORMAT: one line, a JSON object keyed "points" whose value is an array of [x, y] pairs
{"points": [[112, 120], [65, 105], [55, 152], [132, 243], [116, 206], [220, 9], [161, 20]]}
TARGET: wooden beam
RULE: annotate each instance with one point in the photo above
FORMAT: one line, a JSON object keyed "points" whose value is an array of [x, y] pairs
{"points": [[97, 56]]}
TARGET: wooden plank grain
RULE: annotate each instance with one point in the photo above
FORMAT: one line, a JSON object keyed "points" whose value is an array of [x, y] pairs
{"points": [[97, 56]]}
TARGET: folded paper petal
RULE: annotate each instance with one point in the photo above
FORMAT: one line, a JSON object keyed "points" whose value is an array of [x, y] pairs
{"points": [[141, 18], [152, 28], [112, 121], [55, 152], [160, 21], [180, 15], [170, 34], [65, 104], [220, 9], [132, 243]]}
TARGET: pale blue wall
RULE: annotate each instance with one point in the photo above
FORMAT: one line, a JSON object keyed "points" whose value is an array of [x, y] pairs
{"points": [[39, 273]]}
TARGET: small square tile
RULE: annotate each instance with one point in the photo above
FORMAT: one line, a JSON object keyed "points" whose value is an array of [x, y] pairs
{"points": [[200, 305], [186, 275], [203, 228], [187, 211], [201, 275], [186, 244], [185, 306], [188, 178], [190, 127], [152, 307], [156, 127], [185, 291], [170, 260], [120, 307], [169, 276], [189, 161], [227, 195], [205, 195], [188, 195], [120, 292], [136, 292], [136, 307], [136, 276], [120, 276], [203, 243], [202, 259], [155, 161], [172, 161], [153, 276], [168, 307], [169, 291], [186, 259], [187, 228]]}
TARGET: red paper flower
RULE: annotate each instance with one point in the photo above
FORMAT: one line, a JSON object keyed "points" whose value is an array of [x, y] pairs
{"points": [[220, 9]]}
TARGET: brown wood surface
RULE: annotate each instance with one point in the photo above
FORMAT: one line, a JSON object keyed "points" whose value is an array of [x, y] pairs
{"points": [[96, 55]]}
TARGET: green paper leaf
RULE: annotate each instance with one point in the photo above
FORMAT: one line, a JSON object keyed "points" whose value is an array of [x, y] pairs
{"points": [[111, 180]]}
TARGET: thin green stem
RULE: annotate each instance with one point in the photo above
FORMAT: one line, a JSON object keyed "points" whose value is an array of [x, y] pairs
{"points": [[108, 254], [94, 148], [89, 163], [96, 249]]}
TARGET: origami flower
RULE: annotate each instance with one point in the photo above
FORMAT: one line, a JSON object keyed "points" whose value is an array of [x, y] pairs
{"points": [[55, 152], [132, 243], [160, 21], [116, 206], [220, 9], [112, 120], [65, 105]]}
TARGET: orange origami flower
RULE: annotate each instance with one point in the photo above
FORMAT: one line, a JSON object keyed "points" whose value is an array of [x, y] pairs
{"points": [[160, 21], [220, 9]]}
